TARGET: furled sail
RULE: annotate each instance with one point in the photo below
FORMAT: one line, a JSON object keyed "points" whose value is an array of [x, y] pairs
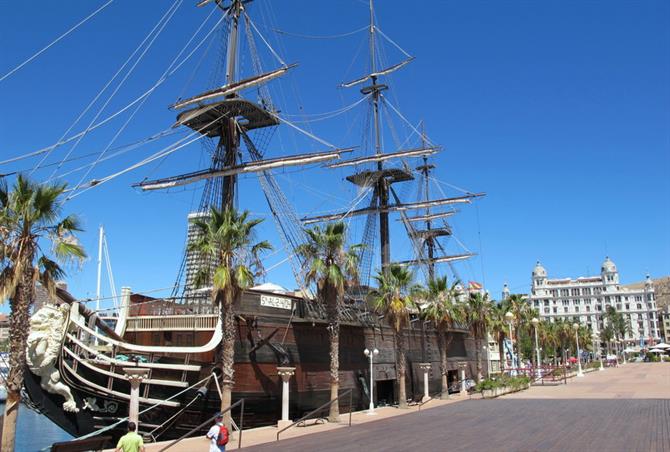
{"points": [[433, 216], [393, 208], [232, 88], [375, 74], [250, 167], [438, 260], [383, 157]]}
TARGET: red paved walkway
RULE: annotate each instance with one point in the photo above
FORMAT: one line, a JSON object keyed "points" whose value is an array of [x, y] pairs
{"points": [[635, 416]]}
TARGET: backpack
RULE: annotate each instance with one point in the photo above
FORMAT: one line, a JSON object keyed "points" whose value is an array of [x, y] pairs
{"points": [[222, 438]]}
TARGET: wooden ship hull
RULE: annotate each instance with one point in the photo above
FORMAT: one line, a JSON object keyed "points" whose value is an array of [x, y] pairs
{"points": [[179, 351], [176, 342]]}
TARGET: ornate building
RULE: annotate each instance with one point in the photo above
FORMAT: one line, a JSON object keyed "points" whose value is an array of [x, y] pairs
{"points": [[586, 299]]}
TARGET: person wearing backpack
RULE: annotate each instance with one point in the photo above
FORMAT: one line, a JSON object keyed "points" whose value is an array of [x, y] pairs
{"points": [[218, 435], [131, 441]]}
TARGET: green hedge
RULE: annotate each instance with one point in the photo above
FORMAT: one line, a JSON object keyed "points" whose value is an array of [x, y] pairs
{"points": [[502, 382]]}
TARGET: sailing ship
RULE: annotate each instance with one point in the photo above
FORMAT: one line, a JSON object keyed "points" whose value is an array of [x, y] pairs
{"points": [[174, 339]]}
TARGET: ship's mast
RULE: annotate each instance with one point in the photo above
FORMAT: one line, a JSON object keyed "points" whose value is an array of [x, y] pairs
{"points": [[430, 244], [229, 142], [382, 178], [382, 187]]}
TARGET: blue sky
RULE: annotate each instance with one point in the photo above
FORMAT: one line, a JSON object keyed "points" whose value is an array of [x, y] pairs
{"points": [[559, 111]]}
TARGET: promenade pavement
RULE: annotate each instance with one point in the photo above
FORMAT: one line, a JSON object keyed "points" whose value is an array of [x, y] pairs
{"points": [[618, 409]]}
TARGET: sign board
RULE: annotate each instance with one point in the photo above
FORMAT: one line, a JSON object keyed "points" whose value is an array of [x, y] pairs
{"points": [[276, 302]]}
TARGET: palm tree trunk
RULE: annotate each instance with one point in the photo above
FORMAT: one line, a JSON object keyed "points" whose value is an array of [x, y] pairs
{"points": [[401, 367], [19, 327], [501, 353], [443, 345], [334, 335], [478, 355], [227, 355]]}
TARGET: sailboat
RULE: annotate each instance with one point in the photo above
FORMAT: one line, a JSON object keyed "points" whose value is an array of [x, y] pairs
{"points": [[174, 339]]}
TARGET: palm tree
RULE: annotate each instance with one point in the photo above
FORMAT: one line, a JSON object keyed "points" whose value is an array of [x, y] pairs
{"points": [[440, 309], [498, 328], [391, 299], [30, 217], [548, 337], [560, 336], [620, 323], [330, 267], [226, 239], [606, 336], [522, 315], [477, 313]]}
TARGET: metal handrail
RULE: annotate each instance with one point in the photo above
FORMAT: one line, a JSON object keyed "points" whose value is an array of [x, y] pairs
{"points": [[305, 417], [239, 440], [430, 397]]}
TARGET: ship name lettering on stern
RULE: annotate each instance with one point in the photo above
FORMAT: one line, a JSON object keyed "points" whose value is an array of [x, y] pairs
{"points": [[276, 302]]}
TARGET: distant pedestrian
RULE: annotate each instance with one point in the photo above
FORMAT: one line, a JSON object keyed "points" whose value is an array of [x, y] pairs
{"points": [[218, 435], [131, 441]]}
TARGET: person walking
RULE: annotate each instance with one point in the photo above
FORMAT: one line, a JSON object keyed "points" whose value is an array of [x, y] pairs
{"points": [[131, 441], [218, 435]]}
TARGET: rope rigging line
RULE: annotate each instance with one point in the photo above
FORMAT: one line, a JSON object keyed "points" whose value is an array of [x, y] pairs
{"points": [[481, 250], [330, 114], [303, 131], [455, 237], [342, 35], [119, 151], [44, 49], [116, 424], [392, 42], [267, 44], [439, 182], [162, 153], [132, 145], [397, 112], [262, 90], [63, 141], [132, 115], [169, 13]]}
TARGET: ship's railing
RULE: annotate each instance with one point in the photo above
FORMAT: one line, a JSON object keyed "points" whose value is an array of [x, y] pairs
{"points": [[78, 321], [173, 322], [350, 392], [209, 421]]}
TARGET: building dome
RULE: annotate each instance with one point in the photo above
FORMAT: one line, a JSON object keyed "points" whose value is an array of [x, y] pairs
{"points": [[608, 266], [539, 271]]}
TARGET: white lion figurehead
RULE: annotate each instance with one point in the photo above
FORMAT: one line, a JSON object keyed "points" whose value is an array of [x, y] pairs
{"points": [[47, 328]]}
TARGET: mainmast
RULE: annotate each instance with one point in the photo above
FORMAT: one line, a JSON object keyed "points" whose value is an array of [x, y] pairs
{"points": [[382, 187], [229, 141], [225, 115]]}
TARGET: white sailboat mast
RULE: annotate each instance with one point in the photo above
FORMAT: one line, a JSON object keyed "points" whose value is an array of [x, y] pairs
{"points": [[98, 293]]}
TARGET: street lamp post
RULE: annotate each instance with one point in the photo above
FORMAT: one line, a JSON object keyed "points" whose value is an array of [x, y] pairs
{"points": [[371, 355], [596, 340], [535, 323], [575, 326], [509, 318]]}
